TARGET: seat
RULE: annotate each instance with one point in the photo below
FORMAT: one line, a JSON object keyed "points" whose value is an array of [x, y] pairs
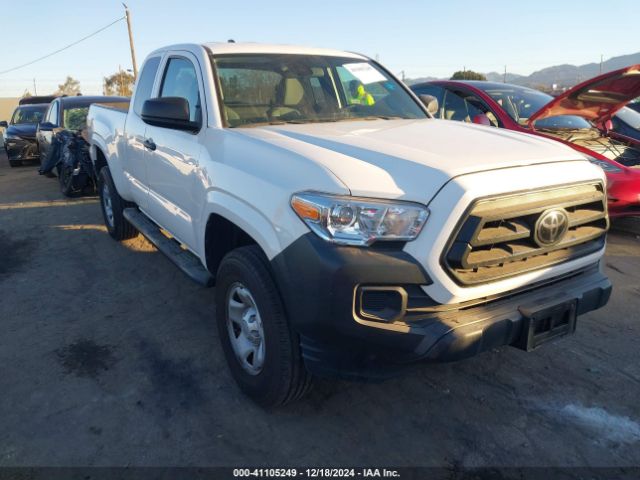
{"points": [[233, 119], [455, 108], [292, 93]]}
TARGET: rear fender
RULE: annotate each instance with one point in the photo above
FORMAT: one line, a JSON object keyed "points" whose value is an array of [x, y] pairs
{"points": [[108, 147]]}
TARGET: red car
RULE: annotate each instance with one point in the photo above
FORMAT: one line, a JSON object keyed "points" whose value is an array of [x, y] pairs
{"points": [[580, 118]]}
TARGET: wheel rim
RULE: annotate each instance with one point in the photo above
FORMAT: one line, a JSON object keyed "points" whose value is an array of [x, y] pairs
{"points": [[107, 205], [246, 332]]}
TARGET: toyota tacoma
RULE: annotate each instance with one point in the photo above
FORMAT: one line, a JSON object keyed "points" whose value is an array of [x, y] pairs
{"points": [[346, 231]]}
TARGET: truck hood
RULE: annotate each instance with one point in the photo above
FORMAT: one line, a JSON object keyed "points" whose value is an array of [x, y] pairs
{"points": [[409, 159], [597, 99]]}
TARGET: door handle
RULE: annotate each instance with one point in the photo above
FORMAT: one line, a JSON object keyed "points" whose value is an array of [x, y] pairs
{"points": [[149, 144]]}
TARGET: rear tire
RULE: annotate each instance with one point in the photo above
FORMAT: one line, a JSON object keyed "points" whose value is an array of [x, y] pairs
{"points": [[250, 315], [112, 206]]}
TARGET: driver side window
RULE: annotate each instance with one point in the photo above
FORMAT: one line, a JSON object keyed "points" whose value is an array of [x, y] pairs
{"points": [[52, 115], [180, 80], [464, 106]]}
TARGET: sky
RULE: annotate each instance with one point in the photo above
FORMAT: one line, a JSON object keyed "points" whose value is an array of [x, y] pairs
{"points": [[419, 38]]}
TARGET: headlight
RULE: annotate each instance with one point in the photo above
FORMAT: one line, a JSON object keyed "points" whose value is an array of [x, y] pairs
{"points": [[359, 221], [606, 166]]}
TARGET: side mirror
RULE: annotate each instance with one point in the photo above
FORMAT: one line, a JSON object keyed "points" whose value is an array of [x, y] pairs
{"points": [[4, 124], [46, 126], [168, 112], [430, 102], [481, 119]]}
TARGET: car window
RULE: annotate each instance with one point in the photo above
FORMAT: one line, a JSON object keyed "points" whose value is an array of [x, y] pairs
{"points": [[180, 80], [435, 91], [278, 88], [52, 114], [28, 114], [364, 86], [628, 116], [520, 103], [463, 106], [145, 83], [75, 118]]}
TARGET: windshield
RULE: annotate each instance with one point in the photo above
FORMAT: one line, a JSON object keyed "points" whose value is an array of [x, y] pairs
{"points": [[28, 114], [285, 88], [520, 103], [630, 117]]}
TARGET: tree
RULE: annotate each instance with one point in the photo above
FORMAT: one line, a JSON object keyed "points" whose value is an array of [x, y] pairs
{"points": [[120, 83], [71, 86], [468, 75]]}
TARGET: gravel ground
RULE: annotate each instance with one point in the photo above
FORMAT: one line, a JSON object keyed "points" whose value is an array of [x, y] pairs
{"points": [[109, 357]]}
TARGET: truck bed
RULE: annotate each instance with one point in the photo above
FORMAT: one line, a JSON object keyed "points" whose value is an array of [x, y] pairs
{"points": [[103, 121]]}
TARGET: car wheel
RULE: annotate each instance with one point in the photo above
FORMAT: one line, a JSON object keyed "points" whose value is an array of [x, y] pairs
{"points": [[112, 206], [262, 351]]}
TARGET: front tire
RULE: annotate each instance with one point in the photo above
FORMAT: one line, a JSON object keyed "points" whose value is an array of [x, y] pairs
{"points": [[262, 351], [112, 206]]}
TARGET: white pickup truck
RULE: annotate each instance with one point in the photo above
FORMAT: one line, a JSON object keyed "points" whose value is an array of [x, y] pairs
{"points": [[347, 232]]}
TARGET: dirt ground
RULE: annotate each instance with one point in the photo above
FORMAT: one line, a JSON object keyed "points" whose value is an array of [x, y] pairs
{"points": [[109, 356]]}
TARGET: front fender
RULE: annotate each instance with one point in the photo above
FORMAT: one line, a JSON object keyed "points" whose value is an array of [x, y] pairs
{"points": [[271, 234]]}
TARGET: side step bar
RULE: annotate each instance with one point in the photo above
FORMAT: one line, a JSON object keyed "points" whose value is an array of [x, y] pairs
{"points": [[184, 259]]}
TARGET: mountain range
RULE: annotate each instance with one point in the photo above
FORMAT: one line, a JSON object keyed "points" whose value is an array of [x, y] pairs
{"points": [[561, 75]]}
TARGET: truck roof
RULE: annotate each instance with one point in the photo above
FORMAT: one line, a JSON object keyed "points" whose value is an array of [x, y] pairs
{"points": [[251, 47]]}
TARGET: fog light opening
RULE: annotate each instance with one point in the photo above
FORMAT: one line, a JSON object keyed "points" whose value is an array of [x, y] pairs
{"points": [[382, 304]]}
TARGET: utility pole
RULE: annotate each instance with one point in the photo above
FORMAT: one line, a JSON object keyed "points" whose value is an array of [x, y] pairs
{"points": [[402, 72], [133, 52], [504, 77], [120, 82], [601, 64], [35, 90]]}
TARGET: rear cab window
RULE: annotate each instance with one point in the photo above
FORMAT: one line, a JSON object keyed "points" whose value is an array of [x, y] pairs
{"points": [[145, 83]]}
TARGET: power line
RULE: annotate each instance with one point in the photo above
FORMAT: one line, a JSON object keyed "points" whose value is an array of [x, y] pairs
{"points": [[63, 48]]}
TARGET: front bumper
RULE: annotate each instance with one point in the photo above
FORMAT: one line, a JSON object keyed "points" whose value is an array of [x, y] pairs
{"points": [[322, 287], [21, 149]]}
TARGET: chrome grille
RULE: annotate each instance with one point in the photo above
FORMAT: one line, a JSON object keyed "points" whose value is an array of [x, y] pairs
{"points": [[496, 239]]}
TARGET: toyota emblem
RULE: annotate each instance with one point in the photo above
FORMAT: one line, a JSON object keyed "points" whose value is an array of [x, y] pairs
{"points": [[551, 227]]}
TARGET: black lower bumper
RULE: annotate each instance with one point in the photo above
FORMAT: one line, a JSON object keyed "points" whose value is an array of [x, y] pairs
{"points": [[347, 334], [22, 149]]}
